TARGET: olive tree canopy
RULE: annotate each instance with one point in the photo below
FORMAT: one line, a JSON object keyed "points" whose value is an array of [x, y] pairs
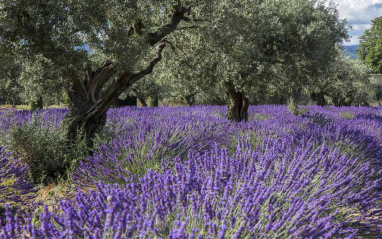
{"points": [[370, 49], [50, 37], [250, 42], [234, 46]]}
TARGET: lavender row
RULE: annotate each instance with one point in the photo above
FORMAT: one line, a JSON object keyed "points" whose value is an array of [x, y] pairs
{"points": [[314, 175], [275, 191], [14, 189]]}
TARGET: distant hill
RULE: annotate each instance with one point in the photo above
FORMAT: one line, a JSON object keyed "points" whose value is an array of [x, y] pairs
{"points": [[351, 51]]}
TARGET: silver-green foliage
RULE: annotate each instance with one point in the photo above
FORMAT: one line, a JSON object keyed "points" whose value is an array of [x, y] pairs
{"points": [[236, 45], [251, 42], [45, 150], [347, 81], [52, 38]]}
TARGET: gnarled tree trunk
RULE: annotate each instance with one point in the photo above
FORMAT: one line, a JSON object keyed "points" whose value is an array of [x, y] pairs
{"points": [[142, 101], [293, 101], [318, 98], [283, 100], [154, 101], [37, 105], [340, 101], [237, 107], [190, 99], [336, 100], [87, 112]]}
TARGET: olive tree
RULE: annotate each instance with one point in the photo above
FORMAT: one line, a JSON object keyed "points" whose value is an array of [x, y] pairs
{"points": [[10, 89], [130, 34], [188, 77], [370, 49], [342, 82], [253, 43], [349, 82], [40, 80], [312, 36], [145, 89]]}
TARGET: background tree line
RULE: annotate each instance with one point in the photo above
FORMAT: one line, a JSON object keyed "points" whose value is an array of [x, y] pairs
{"points": [[89, 54], [92, 53]]}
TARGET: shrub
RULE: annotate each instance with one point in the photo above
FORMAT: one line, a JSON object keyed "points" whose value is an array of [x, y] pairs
{"points": [[45, 151], [347, 115], [14, 189], [283, 192]]}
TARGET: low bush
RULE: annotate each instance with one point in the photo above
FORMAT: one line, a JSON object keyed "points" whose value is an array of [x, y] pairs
{"points": [[283, 192], [45, 150], [14, 189]]}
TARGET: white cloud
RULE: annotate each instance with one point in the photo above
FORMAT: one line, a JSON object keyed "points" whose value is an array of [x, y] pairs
{"points": [[359, 11], [359, 14], [361, 27], [354, 40]]}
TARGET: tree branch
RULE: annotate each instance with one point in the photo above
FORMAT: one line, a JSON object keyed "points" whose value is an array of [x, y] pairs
{"points": [[149, 69], [188, 64], [124, 81], [186, 28], [177, 15], [77, 90], [100, 106], [98, 79], [169, 43]]}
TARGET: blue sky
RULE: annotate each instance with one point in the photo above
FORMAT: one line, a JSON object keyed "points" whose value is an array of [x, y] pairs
{"points": [[359, 14]]}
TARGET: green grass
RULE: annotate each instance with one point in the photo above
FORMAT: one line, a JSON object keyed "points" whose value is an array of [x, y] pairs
{"points": [[347, 115], [27, 107]]}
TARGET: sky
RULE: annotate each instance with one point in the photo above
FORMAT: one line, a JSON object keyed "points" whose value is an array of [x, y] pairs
{"points": [[359, 14]]}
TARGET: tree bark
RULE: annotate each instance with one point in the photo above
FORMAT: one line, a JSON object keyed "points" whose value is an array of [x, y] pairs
{"points": [[142, 101], [40, 103], [37, 105], [283, 100], [340, 101], [293, 101], [87, 113], [190, 99], [154, 101], [318, 98], [84, 96], [87, 110], [237, 107], [335, 100]]}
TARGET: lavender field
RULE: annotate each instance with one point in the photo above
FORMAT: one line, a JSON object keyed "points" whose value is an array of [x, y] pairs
{"points": [[188, 172]]}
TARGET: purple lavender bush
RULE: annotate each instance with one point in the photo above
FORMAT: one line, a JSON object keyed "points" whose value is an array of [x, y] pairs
{"points": [[273, 192], [187, 172], [147, 138], [15, 191], [37, 136]]}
